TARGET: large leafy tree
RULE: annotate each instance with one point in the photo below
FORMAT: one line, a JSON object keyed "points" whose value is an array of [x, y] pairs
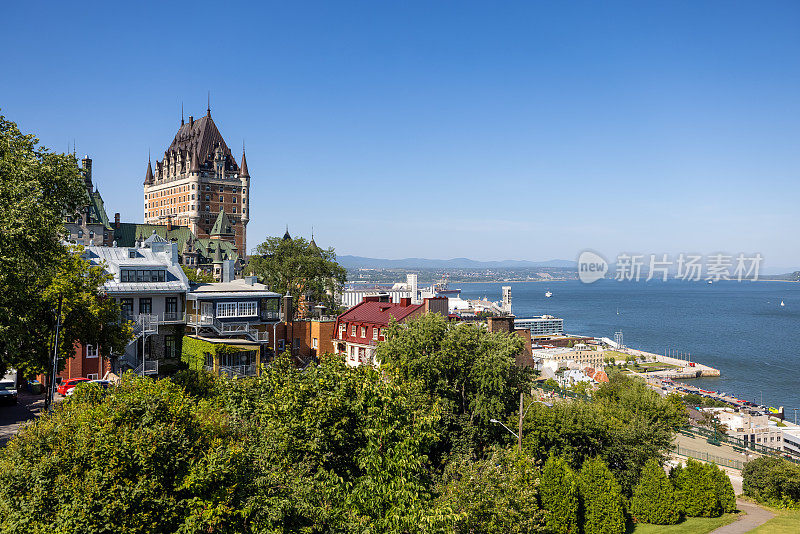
{"points": [[696, 487], [470, 371], [37, 188], [299, 268]]}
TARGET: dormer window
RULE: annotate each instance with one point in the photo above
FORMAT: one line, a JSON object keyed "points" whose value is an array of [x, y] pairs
{"points": [[131, 253]]}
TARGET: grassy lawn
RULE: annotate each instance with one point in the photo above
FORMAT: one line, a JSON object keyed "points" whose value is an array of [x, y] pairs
{"points": [[690, 525], [787, 521]]}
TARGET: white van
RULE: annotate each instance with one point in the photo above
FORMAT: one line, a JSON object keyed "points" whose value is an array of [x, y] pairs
{"points": [[8, 387]]}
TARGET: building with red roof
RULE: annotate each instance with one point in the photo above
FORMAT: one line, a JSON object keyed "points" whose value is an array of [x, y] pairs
{"points": [[359, 329]]}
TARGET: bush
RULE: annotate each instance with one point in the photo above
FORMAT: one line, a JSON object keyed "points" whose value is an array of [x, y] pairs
{"points": [[773, 481], [144, 458], [602, 499], [495, 495], [200, 384], [697, 490], [559, 494], [654, 497]]}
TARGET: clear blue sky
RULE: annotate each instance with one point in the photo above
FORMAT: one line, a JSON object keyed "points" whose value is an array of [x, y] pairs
{"points": [[440, 129]]}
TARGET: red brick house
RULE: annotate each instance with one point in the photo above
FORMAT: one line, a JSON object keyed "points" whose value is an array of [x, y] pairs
{"points": [[358, 330]]}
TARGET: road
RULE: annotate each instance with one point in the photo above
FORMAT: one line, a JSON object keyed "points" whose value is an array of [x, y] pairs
{"points": [[14, 415]]}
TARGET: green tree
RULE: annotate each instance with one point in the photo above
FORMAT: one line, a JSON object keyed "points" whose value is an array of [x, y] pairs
{"points": [[197, 275], [697, 490], [37, 189], [471, 372], [654, 497], [602, 499], [559, 494], [497, 494], [144, 459], [724, 489], [773, 481], [299, 268]]}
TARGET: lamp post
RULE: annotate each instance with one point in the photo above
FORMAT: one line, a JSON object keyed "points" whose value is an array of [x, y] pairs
{"points": [[522, 414]]}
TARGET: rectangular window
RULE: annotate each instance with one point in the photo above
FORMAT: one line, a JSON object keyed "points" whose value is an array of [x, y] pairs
{"points": [[234, 209], [314, 343], [123, 276], [162, 275], [170, 347], [145, 305], [375, 333], [226, 309], [127, 306], [363, 331], [91, 351], [140, 276], [92, 376], [146, 276], [248, 309], [353, 330], [171, 305], [221, 198]]}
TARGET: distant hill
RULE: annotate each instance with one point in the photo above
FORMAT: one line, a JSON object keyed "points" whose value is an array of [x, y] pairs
{"points": [[355, 262]]}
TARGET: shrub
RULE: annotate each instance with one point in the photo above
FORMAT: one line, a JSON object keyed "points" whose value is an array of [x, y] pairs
{"points": [[200, 384], [697, 490], [772, 481], [654, 497], [559, 494], [497, 494], [725, 493], [602, 499]]}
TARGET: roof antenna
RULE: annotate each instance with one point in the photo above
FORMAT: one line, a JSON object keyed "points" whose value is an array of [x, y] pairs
{"points": [[181, 113], [208, 110]]}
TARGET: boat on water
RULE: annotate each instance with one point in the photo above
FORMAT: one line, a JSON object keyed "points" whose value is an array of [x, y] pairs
{"points": [[782, 304], [710, 281], [548, 294]]}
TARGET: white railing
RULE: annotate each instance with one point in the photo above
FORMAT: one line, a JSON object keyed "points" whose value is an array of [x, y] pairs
{"points": [[239, 370], [148, 367], [258, 335]]}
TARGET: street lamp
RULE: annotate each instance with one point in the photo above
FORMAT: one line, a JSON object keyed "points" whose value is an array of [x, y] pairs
{"points": [[522, 412]]}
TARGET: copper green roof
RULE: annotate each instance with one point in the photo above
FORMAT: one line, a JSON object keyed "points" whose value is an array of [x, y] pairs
{"points": [[128, 233], [97, 210], [223, 225]]}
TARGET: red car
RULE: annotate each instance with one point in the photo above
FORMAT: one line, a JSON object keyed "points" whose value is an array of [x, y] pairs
{"points": [[69, 384]]}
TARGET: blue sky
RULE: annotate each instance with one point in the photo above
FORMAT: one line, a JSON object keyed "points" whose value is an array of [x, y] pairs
{"points": [[489, 130]]}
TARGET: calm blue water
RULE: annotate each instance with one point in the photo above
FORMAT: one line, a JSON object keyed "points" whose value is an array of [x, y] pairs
{"points": [[738, 328]]}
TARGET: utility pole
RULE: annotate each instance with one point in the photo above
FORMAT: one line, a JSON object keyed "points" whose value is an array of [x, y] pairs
{"points": [[521, 415], [54, 371]]}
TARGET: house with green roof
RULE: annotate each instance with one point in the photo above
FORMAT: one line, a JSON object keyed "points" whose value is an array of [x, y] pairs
{"points": [[90, 225]]}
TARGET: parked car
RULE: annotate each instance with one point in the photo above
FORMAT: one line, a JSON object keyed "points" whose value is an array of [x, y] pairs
{"points": [[8, 391], [102, 383], [67, 385]]}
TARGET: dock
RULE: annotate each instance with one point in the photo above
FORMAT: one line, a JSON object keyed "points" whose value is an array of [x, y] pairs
{"points": [[684, 368]]}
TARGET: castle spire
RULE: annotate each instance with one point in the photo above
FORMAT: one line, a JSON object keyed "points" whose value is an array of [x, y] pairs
{"points": [[182, 114], [243, 166], [208, 109], [148, 178]]}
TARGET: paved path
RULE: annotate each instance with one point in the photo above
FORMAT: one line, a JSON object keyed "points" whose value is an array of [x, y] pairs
{"points": [[13, 415], [755, 516]]}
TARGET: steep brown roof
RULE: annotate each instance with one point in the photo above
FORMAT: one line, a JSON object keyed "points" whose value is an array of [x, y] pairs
{"points": [[201, 137]]}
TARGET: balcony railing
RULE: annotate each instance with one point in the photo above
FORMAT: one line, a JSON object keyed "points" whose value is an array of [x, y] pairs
{"points": [[239, 370]]}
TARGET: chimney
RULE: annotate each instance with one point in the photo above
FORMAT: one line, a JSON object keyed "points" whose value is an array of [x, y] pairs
{"points": [[287, 308], [116, 220], [191, 120], [250, 280], [405, 301]]}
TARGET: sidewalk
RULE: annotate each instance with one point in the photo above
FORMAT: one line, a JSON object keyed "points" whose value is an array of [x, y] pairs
{"points": [[753, 516]]}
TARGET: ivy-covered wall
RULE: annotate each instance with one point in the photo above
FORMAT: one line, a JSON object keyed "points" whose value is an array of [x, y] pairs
{"points": [[193, 352]]}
